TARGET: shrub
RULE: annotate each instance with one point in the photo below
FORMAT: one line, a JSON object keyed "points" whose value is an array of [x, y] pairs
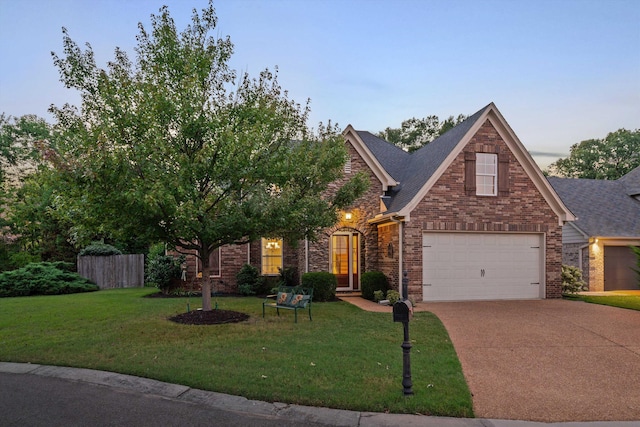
{"points": [[162, 270], [249, 280], [378, 296], [373, 281], [100, 249], [289, 276], [324, 285], [393, 297], [572, 280], [636, 250], [44, 278]]}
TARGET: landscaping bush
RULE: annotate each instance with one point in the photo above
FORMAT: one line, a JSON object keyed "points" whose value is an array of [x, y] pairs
{"points": [[393, 297], [249, 280], [162, 270], [324, 285], [44, 278], [373, 281], [572, 282], [289, 276], [378, 296], [100, 249], [636, 250]]}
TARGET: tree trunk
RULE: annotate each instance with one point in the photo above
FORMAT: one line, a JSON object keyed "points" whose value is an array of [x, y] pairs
{"points": [[206, 279]]}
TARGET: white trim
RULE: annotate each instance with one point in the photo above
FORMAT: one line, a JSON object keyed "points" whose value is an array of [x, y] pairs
{"points": [[357, 234], [262, 255], [400, 253], [493, 175], [492, 114], [351, 136]]}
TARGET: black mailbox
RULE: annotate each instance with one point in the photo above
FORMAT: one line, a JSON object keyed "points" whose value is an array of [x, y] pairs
{"points": [[402, 311]]}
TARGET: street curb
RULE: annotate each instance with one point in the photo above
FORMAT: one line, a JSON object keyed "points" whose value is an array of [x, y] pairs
{"points": [[299, 413]]}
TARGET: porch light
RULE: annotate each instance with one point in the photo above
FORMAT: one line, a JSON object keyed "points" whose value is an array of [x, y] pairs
{"points": [[348, 216]]}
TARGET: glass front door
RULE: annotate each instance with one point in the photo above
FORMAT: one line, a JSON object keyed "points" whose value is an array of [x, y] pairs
{"points": [[345, 260]]}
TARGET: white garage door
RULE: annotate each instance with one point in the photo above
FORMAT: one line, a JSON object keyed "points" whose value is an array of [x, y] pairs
{"points": [[481, 266]]}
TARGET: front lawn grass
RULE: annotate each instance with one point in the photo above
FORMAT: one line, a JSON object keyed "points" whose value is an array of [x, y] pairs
{"points": [[623, 301], [345, 358]]}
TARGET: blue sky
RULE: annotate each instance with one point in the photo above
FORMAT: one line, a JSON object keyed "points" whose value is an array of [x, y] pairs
{"points": [[560, 71]]}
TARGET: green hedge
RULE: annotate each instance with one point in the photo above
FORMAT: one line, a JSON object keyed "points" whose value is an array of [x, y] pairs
{"points": [[372, 281], [100, 249], [44, 278], [324, 285]]}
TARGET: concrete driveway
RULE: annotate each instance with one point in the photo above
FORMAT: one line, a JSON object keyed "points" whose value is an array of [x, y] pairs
{"points": [[547, 360]]}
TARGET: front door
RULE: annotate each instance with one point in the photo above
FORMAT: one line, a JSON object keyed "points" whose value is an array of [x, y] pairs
{"points": [[345, 260]]}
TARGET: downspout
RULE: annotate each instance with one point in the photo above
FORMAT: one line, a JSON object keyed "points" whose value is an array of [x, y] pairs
{"points": [[306, 255], [580, 249], [400, 252]]}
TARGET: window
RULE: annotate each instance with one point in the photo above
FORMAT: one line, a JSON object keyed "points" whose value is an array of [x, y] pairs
{"points": [[214, 264], [271, 256], [486, 174]]}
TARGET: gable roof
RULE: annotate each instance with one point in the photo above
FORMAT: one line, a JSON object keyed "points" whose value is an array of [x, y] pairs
{"points": [[631, 182], [604, 208], [415, 173]]}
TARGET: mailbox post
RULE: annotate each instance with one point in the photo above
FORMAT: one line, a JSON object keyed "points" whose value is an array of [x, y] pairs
{"points": [[402, 311]]}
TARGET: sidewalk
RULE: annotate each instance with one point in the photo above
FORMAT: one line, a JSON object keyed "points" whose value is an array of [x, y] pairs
{"points": [[291, 414]]}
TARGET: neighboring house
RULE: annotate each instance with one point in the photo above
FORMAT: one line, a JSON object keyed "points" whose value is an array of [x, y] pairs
{"points": [[608, 222], [469, 216]]}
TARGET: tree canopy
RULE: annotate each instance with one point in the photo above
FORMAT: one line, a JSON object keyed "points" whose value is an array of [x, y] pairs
{"points": [[415, 133], [178, 147], [607, 158]]}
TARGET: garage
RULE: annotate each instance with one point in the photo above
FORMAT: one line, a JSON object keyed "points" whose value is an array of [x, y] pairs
{"points": [[482, 266], [619, 265]]}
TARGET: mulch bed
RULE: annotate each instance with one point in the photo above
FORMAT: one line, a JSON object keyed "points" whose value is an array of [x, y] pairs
{"points": [[213, 317]]}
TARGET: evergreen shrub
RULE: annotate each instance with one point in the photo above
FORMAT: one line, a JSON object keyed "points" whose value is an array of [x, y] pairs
{"points": [[373, 281], [324, 285], [44, 278]]}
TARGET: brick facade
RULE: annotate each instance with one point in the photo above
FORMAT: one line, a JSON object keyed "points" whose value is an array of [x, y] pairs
{"points": [[363, 209], [447, 208]]}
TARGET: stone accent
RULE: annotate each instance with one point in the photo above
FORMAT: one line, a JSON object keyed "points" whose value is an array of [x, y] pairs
{"points": [[571, 254], [366, 207], [389, 250], [596, 266]]}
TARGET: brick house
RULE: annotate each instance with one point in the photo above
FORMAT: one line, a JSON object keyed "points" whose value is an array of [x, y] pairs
{"points": [[468, 216], [607, 224]]}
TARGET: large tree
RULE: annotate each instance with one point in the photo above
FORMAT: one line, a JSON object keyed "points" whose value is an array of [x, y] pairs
{"points": [[177, 147], [415, 133], [607, 158]]}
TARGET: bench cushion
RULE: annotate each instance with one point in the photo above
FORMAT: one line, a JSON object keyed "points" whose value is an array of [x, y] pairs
{"points": [[300, 300], [283, 298]]}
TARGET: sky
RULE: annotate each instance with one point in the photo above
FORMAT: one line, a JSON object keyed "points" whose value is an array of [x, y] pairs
{"points": [[559, 71]]}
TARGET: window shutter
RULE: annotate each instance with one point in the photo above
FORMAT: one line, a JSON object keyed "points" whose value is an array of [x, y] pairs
{"points": [[503, 174], [469, 173]]}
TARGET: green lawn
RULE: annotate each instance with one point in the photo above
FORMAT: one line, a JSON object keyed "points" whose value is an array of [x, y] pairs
{"points": [[346, 358], [623, 301]]}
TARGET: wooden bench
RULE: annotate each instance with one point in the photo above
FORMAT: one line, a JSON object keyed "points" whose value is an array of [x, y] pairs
{"points": [[290, 298]]}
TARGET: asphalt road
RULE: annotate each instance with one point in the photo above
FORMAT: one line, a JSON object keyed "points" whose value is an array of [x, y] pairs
{"points": [[31, 400]]}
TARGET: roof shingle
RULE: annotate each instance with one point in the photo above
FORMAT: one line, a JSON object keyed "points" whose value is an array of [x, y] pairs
{"points": [[602, 207]]}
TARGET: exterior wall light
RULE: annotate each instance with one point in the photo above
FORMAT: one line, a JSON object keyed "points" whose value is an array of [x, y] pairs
{"points": [[348, 216]]}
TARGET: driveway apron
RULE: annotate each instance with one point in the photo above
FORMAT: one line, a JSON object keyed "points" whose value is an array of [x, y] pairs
{"points": [[547, 360]]}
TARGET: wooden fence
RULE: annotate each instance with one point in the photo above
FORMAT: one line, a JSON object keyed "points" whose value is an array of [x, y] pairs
{"points": [[113, 271]]}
